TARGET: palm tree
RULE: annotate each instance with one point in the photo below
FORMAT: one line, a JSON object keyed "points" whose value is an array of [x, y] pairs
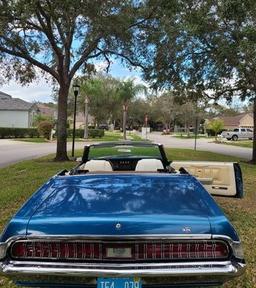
{"points": [[100, 94], [127, 91]]}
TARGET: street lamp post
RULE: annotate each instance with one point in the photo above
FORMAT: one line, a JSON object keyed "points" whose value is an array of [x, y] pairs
{"points": [[125, 108], [76, 89], [196, 126], [86, 102], [146, 125]]}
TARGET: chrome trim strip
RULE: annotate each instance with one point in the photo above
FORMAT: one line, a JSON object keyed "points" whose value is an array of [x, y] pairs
{"points": [[116, 265], [114, 237], [226, 268], [159, 237]]}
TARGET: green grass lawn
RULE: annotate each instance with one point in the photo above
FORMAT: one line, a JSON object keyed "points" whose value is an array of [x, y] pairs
{"points": [[19, 181], [116, 136], [190, 136], [242, 143], [109, 136]]}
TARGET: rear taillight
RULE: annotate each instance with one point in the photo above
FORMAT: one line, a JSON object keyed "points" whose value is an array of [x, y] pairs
{"points": [[121, 251]]}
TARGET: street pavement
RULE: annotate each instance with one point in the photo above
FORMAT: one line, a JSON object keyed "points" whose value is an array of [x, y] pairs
{"points": [[203, 144], [14, 151]]}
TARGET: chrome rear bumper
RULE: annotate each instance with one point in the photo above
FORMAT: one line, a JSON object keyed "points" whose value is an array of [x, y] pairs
{"points": [[157, 273]]}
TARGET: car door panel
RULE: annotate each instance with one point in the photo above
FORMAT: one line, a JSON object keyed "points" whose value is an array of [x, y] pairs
{"points": [[219, 178]]}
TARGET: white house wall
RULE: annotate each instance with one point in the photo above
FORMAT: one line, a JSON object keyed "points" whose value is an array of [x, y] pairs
{"points": [[15, 119]]}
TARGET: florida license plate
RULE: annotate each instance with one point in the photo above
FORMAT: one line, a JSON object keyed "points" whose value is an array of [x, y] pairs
{"points": [[118, 283]]}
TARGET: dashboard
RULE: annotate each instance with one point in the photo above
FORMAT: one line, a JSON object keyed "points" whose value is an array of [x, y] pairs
{"points": [[124, 164]]}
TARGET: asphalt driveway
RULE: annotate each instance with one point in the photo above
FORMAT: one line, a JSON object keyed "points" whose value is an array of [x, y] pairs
{"points": [[202, 144], [14, 151]]}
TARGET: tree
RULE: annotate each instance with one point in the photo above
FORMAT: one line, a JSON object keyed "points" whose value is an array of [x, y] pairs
{"points": [[206, 48], [138, 108], [101, 91], [61, 37], [127, 91], [216, 125]]}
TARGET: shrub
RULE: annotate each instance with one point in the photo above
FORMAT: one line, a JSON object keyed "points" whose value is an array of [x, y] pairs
{"points": [[79, 133], [216, 125], [41, 118], [212, 133], [6, 132], [45, 128], [92, 133], [33, 132]]}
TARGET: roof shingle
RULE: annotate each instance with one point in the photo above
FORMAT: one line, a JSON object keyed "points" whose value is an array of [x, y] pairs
{"points": [[9, 103], [233, 120]]}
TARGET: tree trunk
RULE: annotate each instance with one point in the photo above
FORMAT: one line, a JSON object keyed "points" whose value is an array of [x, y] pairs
{"points": [[61, 153], [254, 133]]}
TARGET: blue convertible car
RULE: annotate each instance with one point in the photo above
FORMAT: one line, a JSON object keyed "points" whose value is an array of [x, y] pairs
{"points": [[126, 217]]}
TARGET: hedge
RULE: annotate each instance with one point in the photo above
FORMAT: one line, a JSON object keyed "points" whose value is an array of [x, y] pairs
{"points": [[32, 132], [92, 133], [18, 132]]}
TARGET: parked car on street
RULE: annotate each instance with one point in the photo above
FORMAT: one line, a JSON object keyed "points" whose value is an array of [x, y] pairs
{"points": [[238, 134], [126, 217]]}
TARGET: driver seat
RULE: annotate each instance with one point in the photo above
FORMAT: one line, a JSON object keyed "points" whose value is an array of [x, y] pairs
{"points": [[149, 165]]}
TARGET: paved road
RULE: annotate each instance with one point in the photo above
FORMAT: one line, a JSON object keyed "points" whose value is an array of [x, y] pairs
{"points": [[14, 151], [202, 144]]}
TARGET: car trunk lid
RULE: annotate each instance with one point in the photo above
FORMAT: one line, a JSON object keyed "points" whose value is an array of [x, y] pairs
{"points": [[127, 204]]}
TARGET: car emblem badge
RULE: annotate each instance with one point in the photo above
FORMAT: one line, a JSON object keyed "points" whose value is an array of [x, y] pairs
{"points": [[118, 226], [186, 229]]}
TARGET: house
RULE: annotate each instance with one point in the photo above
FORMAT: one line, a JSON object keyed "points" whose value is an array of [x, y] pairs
{"points": [[15, 112], [244, 120], [80, 120], [46, 110]]}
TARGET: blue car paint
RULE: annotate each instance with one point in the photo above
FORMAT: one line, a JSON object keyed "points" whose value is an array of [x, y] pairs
{"points": [[93, 204], [18, 224]]}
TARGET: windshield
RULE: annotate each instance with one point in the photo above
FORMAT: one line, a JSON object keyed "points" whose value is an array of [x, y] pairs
{"points": [[124, 151]]}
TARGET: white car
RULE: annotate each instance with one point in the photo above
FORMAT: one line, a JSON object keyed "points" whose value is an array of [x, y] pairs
{"points": [[237, 134]]}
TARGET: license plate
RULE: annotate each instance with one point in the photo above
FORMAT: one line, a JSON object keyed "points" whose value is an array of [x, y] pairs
{"points": [[118, 283], [119, 252]]}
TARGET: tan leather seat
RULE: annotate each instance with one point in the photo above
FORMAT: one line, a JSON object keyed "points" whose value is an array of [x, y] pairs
{"points": [[149, 165], [97, 165]]}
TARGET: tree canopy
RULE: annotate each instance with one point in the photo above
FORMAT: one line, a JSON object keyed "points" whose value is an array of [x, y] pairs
{"points": [[204, 49], [61, 37]]}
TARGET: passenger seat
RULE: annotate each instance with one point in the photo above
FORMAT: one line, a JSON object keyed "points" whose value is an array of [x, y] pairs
{"points": [[149, 165]]}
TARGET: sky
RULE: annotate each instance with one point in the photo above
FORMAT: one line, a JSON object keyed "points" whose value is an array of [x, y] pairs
{"points": [[41, 91]]}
